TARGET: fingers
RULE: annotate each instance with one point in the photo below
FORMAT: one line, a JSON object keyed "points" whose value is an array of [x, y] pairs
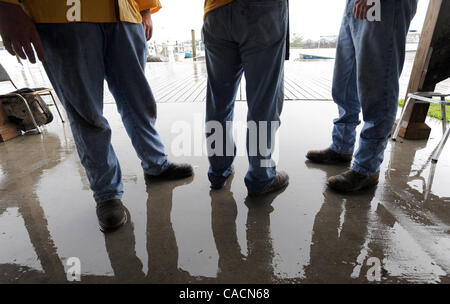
{"points": [[356, 8], [17, 45], [8, 46], [150, 33], [360, 10], [36, 41], [148, 29], [29, 51], [25, 49], [364, 11]]}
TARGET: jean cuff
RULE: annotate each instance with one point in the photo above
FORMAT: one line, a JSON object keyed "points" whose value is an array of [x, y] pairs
{"points": [[257, 187], [107, 197], [342, 150], [157, 169], [220, 175], [363, 170]]}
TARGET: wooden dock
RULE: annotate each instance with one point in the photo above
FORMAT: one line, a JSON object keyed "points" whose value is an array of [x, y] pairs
{"points": [[186, 81]]}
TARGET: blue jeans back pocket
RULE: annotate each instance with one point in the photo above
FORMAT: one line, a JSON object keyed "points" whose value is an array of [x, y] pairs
{"points": [[266, 21]]}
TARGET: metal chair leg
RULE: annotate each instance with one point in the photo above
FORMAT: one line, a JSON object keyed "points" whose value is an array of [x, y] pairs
{"points": [[430, 180], [397, 129], [444, 115], [441, 146], [29, 112], [56, 105]]}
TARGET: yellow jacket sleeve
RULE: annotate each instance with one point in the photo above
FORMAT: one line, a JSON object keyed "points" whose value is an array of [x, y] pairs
{"points": [[153, 5]]}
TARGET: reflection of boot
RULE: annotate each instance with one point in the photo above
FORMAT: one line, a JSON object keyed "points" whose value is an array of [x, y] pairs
{"points": [[173, 172], [259, 265], [260, 201], [339, 234], [162, 247], [328, 156], [121, 248], [23, 173], [279, 183], [161, 188], [259, 242], [223, 222]]}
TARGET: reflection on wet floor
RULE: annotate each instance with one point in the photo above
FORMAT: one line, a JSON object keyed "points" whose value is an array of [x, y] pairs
{"points": [[183, 232]]}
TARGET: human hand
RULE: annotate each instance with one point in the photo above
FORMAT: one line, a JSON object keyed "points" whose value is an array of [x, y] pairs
{"points": [[360, 9], [19, 33], [147, 23]]}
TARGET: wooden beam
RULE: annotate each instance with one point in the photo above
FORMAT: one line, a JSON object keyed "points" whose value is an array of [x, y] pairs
{"points": [[431, 66]]}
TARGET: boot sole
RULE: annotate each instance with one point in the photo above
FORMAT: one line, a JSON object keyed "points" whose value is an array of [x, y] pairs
{"points": [[274, 190], [161, 178], [336, 188], [328, 161]]}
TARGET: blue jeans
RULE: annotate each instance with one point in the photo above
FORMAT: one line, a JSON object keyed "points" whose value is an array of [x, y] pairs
{"points": [[79, 57], [369, 62], [246, 36]]}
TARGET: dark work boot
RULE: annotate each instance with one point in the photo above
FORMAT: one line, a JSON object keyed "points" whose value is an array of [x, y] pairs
{"points": [[173, 172], [280, 182], [111, 215], [328, 156], [351, 181]]}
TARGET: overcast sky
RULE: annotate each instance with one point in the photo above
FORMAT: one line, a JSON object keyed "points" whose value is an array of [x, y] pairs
{"points": [[309, 18]]}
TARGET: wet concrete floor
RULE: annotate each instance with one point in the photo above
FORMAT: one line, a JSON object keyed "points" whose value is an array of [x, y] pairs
{"points": [[183, 232]]}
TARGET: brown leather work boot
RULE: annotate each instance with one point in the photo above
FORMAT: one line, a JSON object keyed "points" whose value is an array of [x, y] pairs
{"points": [[173, 172], [351, 181], [280, 182], [111, 215], [328, 156]]}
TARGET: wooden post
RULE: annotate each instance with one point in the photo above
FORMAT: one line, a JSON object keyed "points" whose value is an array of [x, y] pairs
{"points": [[431, 66], [194, 46], [7, 129]]}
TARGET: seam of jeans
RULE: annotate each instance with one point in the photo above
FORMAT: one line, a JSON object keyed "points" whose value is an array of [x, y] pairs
{"points": [[108, 196], [389, 67], [125, 109], [73, 121], [342, 143]]}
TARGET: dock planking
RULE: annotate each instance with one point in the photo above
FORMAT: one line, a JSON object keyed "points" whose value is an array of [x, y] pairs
{"points": [[187, 81]]}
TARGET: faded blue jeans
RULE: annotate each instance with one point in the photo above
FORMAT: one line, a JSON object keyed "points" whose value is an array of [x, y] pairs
{"points": [[369, 62], [79, 57], [246, 36]]}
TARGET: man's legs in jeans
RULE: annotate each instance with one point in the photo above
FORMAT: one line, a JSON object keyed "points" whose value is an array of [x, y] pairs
{"points": [[125, 61], [116, 51], [379, 52], [345, 90], [241, 36], [380, 59], [77, 73], [224, 68], [263, 52]]}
